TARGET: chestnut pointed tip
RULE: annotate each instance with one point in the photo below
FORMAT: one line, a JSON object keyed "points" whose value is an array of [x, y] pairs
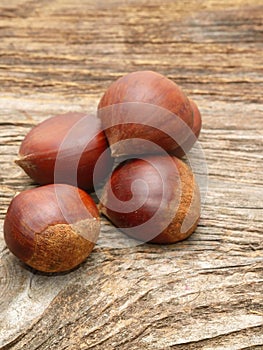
{"points": [[21, 161], [24, 162], [17, 161]]}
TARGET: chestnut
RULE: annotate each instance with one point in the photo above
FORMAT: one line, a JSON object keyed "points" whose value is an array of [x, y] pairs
{"points": [[145, 105], [153, 199], [65, 149], [196, 128], [52, 228]]}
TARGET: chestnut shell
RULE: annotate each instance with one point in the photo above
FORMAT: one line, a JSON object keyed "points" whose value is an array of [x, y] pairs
{"points": [[65, 149], [52, 228], [196, 128], [154, 199], [145, 105]]}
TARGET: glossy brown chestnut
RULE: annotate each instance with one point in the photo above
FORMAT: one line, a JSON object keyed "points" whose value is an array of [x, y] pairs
{"points": [[65, 149], [145, 105], [154, 199], [196, 128], [52, 228]]}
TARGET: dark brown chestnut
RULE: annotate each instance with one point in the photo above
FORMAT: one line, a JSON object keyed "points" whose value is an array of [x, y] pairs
{"points": [[153, 199], [196, 128], [65, 149], [52, 228], [145, 105]]}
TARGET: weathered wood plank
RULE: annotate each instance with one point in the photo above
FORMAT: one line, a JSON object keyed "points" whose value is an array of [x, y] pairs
{"points": [[203, 293]]}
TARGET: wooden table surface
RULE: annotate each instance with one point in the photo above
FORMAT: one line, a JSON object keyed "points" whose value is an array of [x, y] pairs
{"points": [[203, 293]]}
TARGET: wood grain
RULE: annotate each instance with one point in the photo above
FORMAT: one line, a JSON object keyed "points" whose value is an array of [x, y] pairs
{"points": [[203, 293]]}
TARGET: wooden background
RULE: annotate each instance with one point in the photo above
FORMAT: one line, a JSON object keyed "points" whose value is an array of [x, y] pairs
{"points": [[204, 293]]}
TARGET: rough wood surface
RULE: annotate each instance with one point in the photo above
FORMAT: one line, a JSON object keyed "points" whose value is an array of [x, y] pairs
{"points": [[204, 293]]}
